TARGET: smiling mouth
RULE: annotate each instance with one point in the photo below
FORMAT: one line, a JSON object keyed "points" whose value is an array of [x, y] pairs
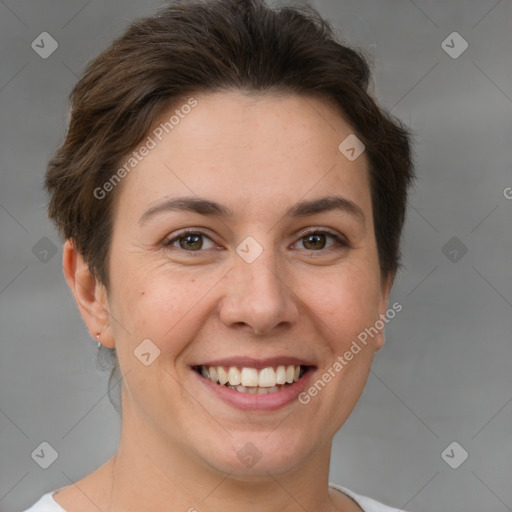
{"points": [[251, 380]]}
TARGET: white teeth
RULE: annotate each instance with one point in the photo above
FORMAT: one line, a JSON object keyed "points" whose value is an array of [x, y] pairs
{"points": [[222, 376], [213, 373], [234, 376], [250, 380], [267, 378], [248, 377], [254, 390], [290, 373], [281, 375]]}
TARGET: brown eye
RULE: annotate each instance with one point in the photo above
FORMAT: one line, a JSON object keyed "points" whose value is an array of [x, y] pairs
{"points": [[317, 241], [190, 241]]}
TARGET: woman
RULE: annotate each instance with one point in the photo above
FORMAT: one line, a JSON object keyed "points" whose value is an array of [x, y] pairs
{"points": [[231, 200]]}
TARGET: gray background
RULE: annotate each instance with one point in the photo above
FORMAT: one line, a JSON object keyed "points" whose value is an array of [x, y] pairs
{"points": [[444, 374]]}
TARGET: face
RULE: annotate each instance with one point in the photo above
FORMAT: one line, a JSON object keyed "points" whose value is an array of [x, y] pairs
{"points": [[256, 271]]}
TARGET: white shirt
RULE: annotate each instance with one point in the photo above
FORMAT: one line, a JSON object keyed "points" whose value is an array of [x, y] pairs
{"points": [[48, 504]]}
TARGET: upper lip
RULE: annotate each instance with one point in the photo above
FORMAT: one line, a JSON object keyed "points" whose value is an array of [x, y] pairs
{"points": [[251, 362]]}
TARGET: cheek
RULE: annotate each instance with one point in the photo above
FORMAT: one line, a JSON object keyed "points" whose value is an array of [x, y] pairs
{"points": [[159, 303], [154, 307], [345, 304]]}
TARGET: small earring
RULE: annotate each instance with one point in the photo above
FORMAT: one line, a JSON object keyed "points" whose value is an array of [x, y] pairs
{"points": [[98, 338]]}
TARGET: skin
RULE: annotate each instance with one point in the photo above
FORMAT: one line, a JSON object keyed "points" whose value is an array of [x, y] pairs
{"points": [[258, 155]]}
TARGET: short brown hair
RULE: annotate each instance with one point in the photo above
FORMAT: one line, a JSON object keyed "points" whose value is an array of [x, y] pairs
{"points": [[205, 46]]}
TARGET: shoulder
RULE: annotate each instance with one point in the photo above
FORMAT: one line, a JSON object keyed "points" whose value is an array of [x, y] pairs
{"points": [[367, 504], [46, 504]]}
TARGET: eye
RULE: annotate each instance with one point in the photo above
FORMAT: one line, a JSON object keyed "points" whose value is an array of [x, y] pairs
{"points": [[191, 241], [194, 241], [316, 240]]}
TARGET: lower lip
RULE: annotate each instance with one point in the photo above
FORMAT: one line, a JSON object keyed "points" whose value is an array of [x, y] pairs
{"points": [[255, 402]]}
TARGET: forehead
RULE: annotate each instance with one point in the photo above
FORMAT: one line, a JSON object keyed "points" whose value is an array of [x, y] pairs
{"points": [[247, 149]]}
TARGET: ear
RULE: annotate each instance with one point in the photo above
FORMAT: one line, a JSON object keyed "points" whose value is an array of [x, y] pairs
{"points": [[90, 295], [387, 283]]}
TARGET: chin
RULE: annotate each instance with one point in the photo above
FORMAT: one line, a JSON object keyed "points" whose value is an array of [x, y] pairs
{"points": [[252, 456]]}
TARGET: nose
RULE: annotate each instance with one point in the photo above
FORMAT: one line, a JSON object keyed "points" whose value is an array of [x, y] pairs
{"points": [[257, 298]]}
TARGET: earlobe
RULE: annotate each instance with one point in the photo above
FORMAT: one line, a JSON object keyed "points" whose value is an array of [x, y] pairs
{"points": [[380, 339], [90, 295]]}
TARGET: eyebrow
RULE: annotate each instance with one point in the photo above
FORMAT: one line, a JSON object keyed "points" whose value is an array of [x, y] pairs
{"points": [[207, 207]]}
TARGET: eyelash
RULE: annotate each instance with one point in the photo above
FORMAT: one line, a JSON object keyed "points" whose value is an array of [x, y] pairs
{"points": [[339, 241]]}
